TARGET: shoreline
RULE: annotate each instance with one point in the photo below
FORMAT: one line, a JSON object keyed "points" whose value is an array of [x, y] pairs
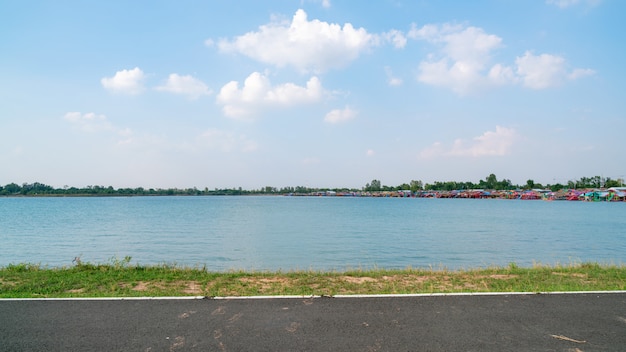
{"points": [[123, 280], [613, 194]]}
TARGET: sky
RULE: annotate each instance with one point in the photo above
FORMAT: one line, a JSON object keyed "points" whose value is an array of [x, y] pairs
{"points": [[316, 93]]}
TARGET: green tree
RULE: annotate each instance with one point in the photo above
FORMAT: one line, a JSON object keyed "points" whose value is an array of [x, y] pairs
{"points": [[612, 183], [416, 185], [491, 181], [375, 185], [557, 187], [12, 188], [403, 187]]}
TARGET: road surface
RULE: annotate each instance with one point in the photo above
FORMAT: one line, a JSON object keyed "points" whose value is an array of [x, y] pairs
{"points": [[499, 322]]}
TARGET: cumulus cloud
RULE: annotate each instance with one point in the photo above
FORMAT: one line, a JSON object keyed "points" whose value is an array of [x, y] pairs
{"points": [[545, 70], [396, 37], [340, 115], [185, 85], [306, 45], [541, 71], [257, 92], [125, 81], [490, 143], [463, 59], [501, 75], [464, 64], [225, 141]]}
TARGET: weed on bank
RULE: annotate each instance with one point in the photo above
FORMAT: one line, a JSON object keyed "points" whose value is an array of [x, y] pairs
{"points": [[121, 279]]}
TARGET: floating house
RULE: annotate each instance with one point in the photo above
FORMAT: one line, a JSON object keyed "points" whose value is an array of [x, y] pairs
{"points": [[617, 193]]}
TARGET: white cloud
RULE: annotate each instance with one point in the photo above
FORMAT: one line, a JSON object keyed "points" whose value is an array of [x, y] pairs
{"points": [[340, 115], [306, 45], [545, 70], [396, 37], [325, 3], [125, 81], [89, 122], [463, 62], [394, 81], [501, 75], [370, 152], [258, 93], [185, 85], [490, 143], [226, 141], [581, 72], [391, 80], [542, 71]]}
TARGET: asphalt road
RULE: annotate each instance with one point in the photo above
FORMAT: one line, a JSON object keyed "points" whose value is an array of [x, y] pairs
{"points": [[540, 322]]}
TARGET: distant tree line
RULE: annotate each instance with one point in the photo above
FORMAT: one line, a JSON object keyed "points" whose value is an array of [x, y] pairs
{"points": [[40, 189], [490, 182]]}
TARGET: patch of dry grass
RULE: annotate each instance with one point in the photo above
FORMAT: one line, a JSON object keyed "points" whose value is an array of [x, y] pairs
{"points": [[125, 280]]}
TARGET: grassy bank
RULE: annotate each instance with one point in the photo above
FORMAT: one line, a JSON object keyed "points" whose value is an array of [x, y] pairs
{"points": [[119, 279]]}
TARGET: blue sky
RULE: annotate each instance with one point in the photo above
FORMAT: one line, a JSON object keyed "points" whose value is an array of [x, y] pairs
{"points": [[330, 93]]}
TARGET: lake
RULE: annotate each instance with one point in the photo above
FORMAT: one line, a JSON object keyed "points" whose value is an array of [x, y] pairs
{"points": [[319, 233]]}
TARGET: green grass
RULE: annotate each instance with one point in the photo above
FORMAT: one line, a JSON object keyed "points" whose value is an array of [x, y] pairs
{"points": [[121, 279]]}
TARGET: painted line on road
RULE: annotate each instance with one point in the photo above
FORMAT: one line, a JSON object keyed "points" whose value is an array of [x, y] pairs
{"points": [[143, 298], [408, 295]]}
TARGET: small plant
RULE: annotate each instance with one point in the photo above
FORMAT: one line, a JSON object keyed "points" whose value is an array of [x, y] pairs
{"points": [[590, 266], [120, 263], [22, 268]]}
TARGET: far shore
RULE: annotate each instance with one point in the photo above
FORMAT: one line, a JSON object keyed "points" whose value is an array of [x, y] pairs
{"points": [[613, 194]]}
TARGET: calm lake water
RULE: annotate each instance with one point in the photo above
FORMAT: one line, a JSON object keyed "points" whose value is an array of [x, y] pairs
{"points": [[320, 233]]}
